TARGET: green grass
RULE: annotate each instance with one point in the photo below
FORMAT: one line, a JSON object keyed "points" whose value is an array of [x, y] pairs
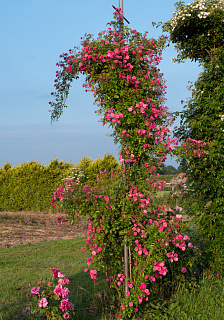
{"points": [[165, 177], [203, 303], [22, 266], [163, 193], [164, 197]]}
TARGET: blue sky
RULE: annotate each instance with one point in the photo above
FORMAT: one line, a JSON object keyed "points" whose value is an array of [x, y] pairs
{"points": [[33, 35]]}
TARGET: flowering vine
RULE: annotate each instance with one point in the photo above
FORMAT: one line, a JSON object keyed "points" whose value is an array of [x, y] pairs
{"points": [[121, 69], [196, 29]]}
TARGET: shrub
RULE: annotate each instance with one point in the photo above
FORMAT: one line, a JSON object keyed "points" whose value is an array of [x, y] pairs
{"points": [[29, 186], [92, 169]]}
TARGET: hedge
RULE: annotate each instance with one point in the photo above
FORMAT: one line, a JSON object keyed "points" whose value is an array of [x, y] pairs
{"points": [[30, 186]]}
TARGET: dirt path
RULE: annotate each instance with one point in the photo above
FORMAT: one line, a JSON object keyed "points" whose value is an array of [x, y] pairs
{"points": [[24, 227]]}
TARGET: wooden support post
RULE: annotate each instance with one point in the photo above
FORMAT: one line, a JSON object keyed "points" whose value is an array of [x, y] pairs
{"points": [[126, 264]]}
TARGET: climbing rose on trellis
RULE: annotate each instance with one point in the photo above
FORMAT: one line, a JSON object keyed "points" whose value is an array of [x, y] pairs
{"points": [[121, 69]]}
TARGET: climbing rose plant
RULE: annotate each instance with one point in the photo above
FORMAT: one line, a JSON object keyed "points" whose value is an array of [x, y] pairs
{"points": [[121, 69], [197, 31], [158, 252]]}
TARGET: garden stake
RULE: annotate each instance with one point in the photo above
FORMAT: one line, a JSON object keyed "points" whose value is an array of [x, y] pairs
{"points": [[125, 263], [130, 262], [125, 239], [125, 249]]}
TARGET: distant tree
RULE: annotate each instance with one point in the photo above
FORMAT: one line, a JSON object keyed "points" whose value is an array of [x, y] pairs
{"points": [[181, 169], [7, 166], [171, 170], [84, 164], [165, 170], [92, 168]]}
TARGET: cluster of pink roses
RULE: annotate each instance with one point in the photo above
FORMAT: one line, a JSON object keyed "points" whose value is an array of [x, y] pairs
{"points": [[46, 296], [120, 57], [167, 228], [194, 146]]}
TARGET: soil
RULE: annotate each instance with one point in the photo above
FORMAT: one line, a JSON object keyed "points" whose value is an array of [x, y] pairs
{"points": [[25, 227]]}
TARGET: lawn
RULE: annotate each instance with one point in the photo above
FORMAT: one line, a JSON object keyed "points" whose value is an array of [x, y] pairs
{"points": [[23, 265]]}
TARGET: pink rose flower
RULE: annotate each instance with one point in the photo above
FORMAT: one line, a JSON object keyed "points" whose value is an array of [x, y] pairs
{"points": [[66, 279], [60, 274], [42, 303], [65, 293], [64, 305], [61, 282], [34, 290]]}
